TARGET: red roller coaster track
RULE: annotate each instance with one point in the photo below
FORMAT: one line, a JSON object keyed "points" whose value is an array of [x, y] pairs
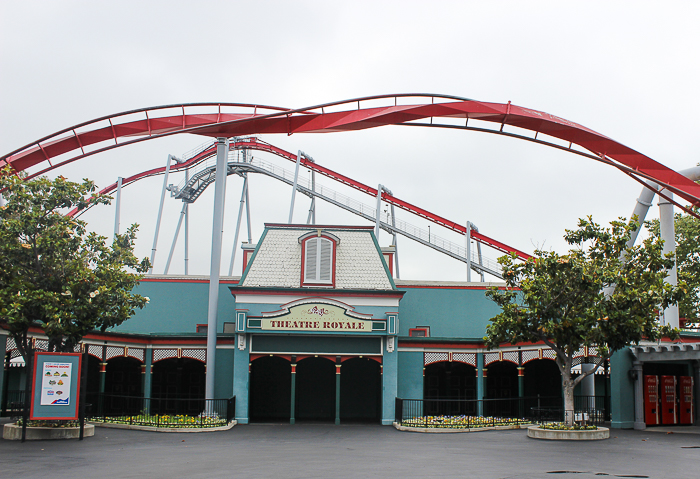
{"points": [[105, 133]]}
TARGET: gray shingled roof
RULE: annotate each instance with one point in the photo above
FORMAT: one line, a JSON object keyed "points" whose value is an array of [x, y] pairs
{"points": [[277, 263]]}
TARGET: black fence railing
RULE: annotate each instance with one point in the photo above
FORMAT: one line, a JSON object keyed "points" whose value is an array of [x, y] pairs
{"points": [[12, 404], [473, 413], [161, 412]]}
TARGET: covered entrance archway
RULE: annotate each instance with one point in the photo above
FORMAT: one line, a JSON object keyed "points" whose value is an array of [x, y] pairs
{"points": [[270, 389], [360, 390], [502, 385], [444, 381], [315, 389]]}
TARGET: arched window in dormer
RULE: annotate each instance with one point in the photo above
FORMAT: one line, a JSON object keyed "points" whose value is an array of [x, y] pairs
{"points": [[318, 259]]}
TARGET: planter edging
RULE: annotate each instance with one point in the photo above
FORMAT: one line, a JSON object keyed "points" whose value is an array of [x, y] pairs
{"points": [[438, 430], [537, 432], [13, 432]]}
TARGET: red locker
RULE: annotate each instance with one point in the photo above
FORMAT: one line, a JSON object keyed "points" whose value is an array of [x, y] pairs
{"points": [[686, 413], [651, 400], [668, 400]]}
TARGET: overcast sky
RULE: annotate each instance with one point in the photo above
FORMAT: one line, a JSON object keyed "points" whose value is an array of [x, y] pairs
{"points": [[628, 70]]}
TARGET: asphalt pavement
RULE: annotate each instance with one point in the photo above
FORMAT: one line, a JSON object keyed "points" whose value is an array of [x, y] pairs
{"points": [[352, 451]]}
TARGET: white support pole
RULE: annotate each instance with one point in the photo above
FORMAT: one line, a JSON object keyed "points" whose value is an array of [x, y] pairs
{"points": [[478, 253], [311, 220], [469, 252], [160, 212], [379, 209], [177, 233], [247, 212], [396, 246], [215, 268], [187, 227], [294, 189], [118, 205], [238, 223], [668, 235]]}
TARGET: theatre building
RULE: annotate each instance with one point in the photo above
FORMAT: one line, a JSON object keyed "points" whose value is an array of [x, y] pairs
{"points": [[317, 328]]}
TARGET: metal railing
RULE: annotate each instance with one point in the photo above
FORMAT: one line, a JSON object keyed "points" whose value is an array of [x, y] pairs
{"points": [[162, 412], [13, 404], [474, 413]]}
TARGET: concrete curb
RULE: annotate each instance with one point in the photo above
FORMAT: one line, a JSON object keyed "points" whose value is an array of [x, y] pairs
{"points": [[13, 432], [451, 430], [164, 429], [536, 432]]}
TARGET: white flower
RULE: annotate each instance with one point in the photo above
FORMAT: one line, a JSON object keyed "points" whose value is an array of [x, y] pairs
{"points": [[67, 293], [94, 293], [147, 298]]}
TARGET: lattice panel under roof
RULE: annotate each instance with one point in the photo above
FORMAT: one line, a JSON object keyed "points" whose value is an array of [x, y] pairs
{"points": [[198, 354], [430, 358], [467, 358]]}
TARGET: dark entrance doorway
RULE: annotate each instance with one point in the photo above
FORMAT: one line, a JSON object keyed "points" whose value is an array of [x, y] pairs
{"points": [[502, 384], [177, 387], [360, 390], [123, 387], [270, 389], [315, 390], [445, 383], [543, 379]]}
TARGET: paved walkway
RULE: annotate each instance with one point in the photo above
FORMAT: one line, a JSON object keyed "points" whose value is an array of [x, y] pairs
{"points": [[326, 451]]}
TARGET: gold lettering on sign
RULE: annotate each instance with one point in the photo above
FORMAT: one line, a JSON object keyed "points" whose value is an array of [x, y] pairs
{"points": [[316, 317]]}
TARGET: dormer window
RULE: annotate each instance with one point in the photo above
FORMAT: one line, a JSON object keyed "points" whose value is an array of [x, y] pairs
{"points": [[318, 259]]}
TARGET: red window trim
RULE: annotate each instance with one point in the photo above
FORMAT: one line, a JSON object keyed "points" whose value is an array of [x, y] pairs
{"points": [[334, 247]]}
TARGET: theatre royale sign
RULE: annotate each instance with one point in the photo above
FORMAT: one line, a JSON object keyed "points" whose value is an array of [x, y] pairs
{"points": [[317, 317]]}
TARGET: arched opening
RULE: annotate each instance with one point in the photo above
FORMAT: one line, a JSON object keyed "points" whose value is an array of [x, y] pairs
{"points": [[315, 390], [502, 388], [543, 382], [445, 383], [177, 387], [123, 387], [360, 390], [270, 389]]}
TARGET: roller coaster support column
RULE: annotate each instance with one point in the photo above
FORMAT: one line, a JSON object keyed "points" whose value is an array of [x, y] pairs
{"points": [[379, 209], [160, 212], [183, 212], [469, 251], [396, 247], [294, 189], [668, 235], [187, 227], [238, 223], [118, 206], [311, 220], [215, 269]]}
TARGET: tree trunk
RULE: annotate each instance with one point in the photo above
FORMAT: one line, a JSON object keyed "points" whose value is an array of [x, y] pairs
{"points": [[568, 387]]}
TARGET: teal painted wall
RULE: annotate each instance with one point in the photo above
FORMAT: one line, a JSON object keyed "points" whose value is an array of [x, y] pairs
{"points": [[240, 383], [621, 390], [177, 307], [450, 312], [223, 388], [410, 379], [389, 386]]}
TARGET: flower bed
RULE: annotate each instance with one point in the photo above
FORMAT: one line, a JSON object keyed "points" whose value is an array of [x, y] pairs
{"points": [[560, 426], [166, 420], [460, 422], [49, 423]]}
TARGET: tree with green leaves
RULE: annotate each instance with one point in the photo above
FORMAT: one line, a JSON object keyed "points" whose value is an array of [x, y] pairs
{"points": [[598, 295], [687, 261], [56, 276]]}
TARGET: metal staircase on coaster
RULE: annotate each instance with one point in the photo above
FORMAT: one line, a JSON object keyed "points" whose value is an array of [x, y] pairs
{"points": [[241, 162]]}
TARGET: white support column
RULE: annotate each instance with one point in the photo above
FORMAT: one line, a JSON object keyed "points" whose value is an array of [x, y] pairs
{"points": [[469, 252], [396, 246], [638, 375], [215, 268], [118, 206], [160, 212], [187, 228], [588, 385], [177, 233], [379, 209], [311, 220], [294, 189], [238, 223], [668, 235]]}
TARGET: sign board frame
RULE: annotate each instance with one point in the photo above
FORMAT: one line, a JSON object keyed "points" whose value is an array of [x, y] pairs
{"points": [[69, 411]]}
